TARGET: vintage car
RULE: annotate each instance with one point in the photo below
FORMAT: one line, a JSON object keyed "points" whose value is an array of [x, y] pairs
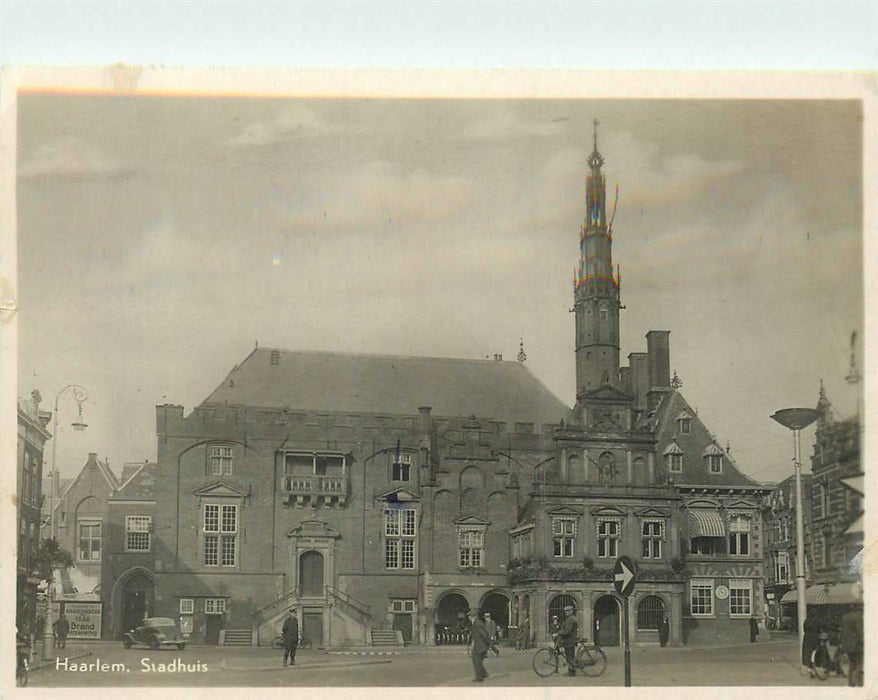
{"points": [[155, 632]]}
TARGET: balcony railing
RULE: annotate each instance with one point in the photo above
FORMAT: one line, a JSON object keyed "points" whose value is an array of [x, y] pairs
{"points": [[333, 490]]}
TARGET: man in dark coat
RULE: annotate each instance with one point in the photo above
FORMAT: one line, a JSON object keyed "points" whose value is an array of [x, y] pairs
{"points": [[290, 633], [852, 643], [61, 629], [567, 636], [809, 641], [480, 645], [664, 630], [754, 629]]}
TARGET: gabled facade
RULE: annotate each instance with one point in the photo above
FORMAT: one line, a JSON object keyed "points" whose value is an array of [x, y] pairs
{"points": [[81, 528], [128, 567]]}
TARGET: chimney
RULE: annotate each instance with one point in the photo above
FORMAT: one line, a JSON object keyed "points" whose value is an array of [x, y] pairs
{"points": [[637, 362], [659, 365]]}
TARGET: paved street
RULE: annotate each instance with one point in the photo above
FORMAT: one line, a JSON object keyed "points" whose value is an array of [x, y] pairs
{"points": [[109, 664]]}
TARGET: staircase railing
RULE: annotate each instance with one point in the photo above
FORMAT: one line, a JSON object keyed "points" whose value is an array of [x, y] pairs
{"points": [[280, 603], [359, 609]]}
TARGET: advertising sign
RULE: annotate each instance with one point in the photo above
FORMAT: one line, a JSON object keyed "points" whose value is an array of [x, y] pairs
{"points": [[85, 620]]}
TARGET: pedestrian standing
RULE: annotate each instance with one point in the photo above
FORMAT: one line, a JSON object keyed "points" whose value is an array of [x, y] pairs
{"points": [[524, 634], [480, 643], [491, 629], [567, 637], [754, 629], [852, 643], [664, 630], [290, 634], [61, 628], [809, 642]]}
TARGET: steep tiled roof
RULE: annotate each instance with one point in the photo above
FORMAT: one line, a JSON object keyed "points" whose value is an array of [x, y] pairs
{"points": [[695, 444], [140, 485], [385, 384]]}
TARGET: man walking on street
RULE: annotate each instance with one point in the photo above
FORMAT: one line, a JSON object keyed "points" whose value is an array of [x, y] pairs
{"points": [[290, 633], [754, 629], [491, 629], [852, 643], [479, 646], [62, 628], [567, 637]]}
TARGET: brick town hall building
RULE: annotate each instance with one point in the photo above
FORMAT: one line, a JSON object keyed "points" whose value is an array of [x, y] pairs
{"points": [[387, 495]]}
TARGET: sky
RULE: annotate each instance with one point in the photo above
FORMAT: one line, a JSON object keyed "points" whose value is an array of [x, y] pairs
{"points": [[159, 238]]}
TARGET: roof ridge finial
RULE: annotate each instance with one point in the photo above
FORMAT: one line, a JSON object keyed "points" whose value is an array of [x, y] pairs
{"points": [[521, 354]]}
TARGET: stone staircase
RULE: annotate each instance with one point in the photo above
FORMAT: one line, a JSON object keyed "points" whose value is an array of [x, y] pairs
{"points": [[237, 638], [387, 638]]}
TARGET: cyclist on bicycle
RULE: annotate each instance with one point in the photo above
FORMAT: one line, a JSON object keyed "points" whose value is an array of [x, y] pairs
{"points": [[567, 636]]}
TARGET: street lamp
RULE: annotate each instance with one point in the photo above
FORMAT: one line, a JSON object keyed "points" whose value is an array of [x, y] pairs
{"points": [[80, 395], [796, 419]]}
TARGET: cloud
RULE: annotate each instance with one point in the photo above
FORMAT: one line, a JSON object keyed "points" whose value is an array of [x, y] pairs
{"points": [[68, 157]]}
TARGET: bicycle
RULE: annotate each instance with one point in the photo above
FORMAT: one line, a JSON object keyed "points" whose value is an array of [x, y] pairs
{"points": [[588, 658], [826, 657], [278, 643]]}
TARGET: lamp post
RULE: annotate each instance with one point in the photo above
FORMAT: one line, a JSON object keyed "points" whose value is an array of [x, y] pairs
{"points": [[796, 419], [80, 395]]}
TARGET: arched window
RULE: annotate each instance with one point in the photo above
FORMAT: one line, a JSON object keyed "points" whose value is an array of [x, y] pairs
{"points": [[556, 608], [650, 611]]}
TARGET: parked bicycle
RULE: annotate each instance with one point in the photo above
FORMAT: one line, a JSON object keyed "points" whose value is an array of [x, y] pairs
{"points": [[278, 643], [587, 658]]}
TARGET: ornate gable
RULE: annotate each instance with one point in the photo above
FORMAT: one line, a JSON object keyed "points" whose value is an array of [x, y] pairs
{"points": [[607, 511], [472, 520], [219, 489], [651, 513], [399, 495], [560, 511]]}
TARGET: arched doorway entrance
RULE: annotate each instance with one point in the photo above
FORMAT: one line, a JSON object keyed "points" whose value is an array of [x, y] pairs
{"points": [[137, 602], [606, 621], [650, 612], [452, 625], [497, 605], [311, 573], [556, 609]]}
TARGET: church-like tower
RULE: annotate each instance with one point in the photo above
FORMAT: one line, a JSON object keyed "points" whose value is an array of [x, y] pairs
{"points": [[596, 289]]}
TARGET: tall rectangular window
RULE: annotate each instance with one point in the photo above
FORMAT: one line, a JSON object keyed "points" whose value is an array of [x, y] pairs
{"points": [[608, 538], [563, 536], [402, 468], [651, 539], [400, 531], [89, 540], [740, 595], [701, 597], [220, 527], [137, 533], [221, 460], [739, 535], [471, 544]]}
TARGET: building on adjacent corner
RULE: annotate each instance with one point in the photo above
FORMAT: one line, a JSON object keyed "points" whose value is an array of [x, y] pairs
{"points": [[32, 436]]}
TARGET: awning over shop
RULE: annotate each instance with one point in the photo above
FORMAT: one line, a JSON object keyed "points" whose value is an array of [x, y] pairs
{"points": [[828, 594], [706, 523]]}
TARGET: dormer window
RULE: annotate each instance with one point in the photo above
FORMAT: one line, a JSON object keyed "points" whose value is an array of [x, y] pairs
{"points": [[713, 455], [684, 423], [673, 458]]}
